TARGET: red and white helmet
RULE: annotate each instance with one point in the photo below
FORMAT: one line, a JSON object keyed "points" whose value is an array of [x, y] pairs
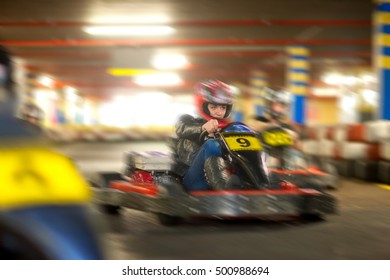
{"points": [[214, 92]]}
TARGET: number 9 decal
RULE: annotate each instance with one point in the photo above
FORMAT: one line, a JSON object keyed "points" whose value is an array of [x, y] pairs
{"points": [[243, 142]]}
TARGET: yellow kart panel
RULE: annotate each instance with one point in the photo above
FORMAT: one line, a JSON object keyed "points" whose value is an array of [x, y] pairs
{"points": [[277, 138], [243, 143], [39, 176]]}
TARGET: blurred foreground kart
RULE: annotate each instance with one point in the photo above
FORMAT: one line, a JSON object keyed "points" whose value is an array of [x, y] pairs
{"points": [[147, 184], [43, 200]]}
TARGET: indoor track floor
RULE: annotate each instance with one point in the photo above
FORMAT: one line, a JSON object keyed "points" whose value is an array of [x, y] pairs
{"points": [[361, 229]]}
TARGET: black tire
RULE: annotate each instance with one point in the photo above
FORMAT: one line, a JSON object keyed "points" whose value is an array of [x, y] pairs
{"points": [[366, 170], [215, 172], [110, 209], [384, 172], [311, 217], [345, 167], [167, 220]]}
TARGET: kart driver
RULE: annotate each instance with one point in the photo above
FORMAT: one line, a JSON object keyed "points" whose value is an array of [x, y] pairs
{"points": [[201, 162], [275, 114], [276, 107]]}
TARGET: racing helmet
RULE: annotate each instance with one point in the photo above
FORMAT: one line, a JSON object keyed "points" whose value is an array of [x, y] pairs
{"points": [[214, 92], [277, 102]]}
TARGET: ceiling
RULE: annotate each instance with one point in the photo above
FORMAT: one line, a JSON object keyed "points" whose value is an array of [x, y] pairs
{"points": [[223, 39]]}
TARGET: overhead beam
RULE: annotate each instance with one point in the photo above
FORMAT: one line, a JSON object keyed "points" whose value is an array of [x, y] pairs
{"points": [[180, 42], [197, 54], [196, 23]]}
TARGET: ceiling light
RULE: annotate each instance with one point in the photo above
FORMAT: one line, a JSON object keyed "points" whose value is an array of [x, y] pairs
{"points": [[350, 80], [368, 78], [129, 30], [325, 91], [169, 61], [161, 79], [333, 79], [153, 97], [126, 20], [46, 81], [71, 94], [370, 96]]}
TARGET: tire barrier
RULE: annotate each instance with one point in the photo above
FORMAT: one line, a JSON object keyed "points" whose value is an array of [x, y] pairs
{"points": [[384, 172], [360, 150], [67, 134]]}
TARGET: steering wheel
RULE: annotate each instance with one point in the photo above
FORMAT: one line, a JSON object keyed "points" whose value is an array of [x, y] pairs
{"points": [[203, 135]]}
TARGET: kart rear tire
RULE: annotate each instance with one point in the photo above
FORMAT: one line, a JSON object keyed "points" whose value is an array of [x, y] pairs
{"points": [[311, 217], [167, 220], [110, 209]]}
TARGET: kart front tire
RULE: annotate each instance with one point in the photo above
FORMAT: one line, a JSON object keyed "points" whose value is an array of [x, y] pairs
{"points": [[110, 209], [167, 220], [312, 217]]}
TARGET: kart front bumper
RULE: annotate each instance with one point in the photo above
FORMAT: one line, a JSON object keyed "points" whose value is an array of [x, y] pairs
{"points": [[224, 203]]}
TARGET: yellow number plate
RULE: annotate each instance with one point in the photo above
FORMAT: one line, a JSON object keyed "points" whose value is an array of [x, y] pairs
{"points": [[243, 143], [39, 176], [277, 138]]}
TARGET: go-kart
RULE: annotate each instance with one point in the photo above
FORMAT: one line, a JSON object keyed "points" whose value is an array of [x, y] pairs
{"points": [[148, 184], [285, 163], [43, 200]]}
